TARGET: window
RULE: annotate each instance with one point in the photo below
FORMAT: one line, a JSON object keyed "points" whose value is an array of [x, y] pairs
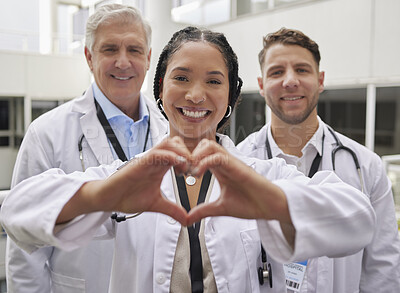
{"points": [[208, 12], [4, 122], [249, 115], [387, 125], [11, 121], [41, 107], [201, 12], [345, 111]]}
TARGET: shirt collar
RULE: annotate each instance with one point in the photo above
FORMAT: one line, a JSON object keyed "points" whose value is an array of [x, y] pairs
{"points": [[315, 142], [111, 111]]}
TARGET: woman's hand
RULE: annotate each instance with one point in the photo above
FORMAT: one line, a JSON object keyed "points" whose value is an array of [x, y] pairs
{"points": [[244, 193], [135, 187]]}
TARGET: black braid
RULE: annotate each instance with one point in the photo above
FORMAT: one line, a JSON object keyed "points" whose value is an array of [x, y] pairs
{"points": [[193, 34]]}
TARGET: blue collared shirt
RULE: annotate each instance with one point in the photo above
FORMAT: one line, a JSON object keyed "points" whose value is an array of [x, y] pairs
{"points": [[130, 134]]}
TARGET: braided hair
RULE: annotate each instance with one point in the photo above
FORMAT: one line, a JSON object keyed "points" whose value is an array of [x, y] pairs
{"points": [[218, 40]]}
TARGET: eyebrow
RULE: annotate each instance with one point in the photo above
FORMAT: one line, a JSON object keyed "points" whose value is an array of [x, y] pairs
{"points": [[112, 44], [185, 69], [302, 64]]}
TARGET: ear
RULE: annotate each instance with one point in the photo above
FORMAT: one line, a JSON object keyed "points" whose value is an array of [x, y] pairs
{"points": [[88, 56], [321, 78], [260, 86], [148, 59]]}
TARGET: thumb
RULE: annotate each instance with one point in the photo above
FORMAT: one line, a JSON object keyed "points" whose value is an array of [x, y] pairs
{"points": [[173, 210], [202, 211]]}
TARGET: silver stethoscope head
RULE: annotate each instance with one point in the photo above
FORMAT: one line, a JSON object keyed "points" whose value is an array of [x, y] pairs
{"points": [[81, 152], [265, 271]]}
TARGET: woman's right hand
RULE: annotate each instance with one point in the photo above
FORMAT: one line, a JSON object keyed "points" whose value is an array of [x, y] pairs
{"points": [[135, 187]]}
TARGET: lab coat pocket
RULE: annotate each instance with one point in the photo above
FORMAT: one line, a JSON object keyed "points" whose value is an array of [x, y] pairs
{"points": [[65, 284], [252, 248]]}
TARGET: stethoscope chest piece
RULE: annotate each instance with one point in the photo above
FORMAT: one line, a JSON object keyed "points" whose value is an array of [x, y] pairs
{"points": [[265, 273]]}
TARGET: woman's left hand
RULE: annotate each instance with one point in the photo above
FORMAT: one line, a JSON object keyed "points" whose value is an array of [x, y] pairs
{"points": [[244, 193]]}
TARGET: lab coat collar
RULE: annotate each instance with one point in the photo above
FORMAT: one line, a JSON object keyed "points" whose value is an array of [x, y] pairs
{"points": [[92, 128], [94, 132]]}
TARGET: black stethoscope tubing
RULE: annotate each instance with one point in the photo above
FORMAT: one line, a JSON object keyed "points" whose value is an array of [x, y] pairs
{"points": [[265, 271], [339, 146], [111, 136]]}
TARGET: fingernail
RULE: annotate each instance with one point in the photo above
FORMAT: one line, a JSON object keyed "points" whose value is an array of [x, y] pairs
{"points": [[181, 159]]}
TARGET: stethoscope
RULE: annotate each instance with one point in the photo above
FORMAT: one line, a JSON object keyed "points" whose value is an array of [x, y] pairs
{"points": [[265, 272], [111, 136], [316, 162]]}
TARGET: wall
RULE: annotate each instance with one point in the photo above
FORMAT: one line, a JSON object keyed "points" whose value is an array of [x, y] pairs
{"points": [[42, 76], [38, 77], [359, 39]]}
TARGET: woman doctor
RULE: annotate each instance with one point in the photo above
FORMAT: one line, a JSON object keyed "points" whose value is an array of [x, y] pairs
{"points": [[197, 85]]}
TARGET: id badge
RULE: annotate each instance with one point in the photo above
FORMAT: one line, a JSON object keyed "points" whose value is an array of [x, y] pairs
{"points": [[294, 274]]}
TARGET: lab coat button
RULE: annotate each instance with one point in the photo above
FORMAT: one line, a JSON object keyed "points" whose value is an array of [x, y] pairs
{"points": [[160, 278], [171, 220]]}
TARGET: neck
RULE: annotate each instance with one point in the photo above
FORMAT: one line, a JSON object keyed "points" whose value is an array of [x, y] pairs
{"points": [[131, 109], [290, 138]]}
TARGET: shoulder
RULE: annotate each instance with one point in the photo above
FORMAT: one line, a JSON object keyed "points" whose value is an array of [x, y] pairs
{"points": [[53, 117], [375, 180], [63, 118], [360, 150], [254, 141]]}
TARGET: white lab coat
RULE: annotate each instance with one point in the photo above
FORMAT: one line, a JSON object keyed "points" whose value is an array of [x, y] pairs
{"points": [[145, 246], [377, 267], [52, 142]]}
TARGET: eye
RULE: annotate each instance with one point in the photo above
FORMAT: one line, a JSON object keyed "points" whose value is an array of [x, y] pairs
{"points": [[277, 72], [181, 78], [109, 50], [135, 50], [302, 70], [214, 81]]}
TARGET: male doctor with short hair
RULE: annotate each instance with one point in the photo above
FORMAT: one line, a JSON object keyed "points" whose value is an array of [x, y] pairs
{"points": [[291, 83], [72, 137]]}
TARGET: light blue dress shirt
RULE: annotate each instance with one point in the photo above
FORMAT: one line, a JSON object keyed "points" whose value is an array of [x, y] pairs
{"points": [[130, 134]]}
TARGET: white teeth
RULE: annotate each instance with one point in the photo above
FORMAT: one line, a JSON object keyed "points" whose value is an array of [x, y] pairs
{"points": [[121, 78], [291, 98], [194, 114]]}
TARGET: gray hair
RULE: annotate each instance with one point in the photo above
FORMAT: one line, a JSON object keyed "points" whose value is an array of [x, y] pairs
{"points": [[114, 12]]}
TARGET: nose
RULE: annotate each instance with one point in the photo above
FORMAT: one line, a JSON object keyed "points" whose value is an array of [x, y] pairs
{"points": [[196, 94], [122, 60], [290, 80]]}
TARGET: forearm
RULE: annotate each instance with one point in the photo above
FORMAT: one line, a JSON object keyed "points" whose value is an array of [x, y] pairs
{"points": [[83, 202], [30, 211], [330, 218]]}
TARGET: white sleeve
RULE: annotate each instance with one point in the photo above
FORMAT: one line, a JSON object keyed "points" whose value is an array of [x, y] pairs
{"points": [[384, 250], [330, 217], [29, 212], [28, 272]]}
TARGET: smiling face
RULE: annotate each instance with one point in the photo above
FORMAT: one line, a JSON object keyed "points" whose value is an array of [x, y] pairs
{"points": [[119, 61], [195, 91], [291, 83]]}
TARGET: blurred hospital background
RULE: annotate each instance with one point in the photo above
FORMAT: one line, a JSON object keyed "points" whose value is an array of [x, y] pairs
{"points": [[43, 64]]}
